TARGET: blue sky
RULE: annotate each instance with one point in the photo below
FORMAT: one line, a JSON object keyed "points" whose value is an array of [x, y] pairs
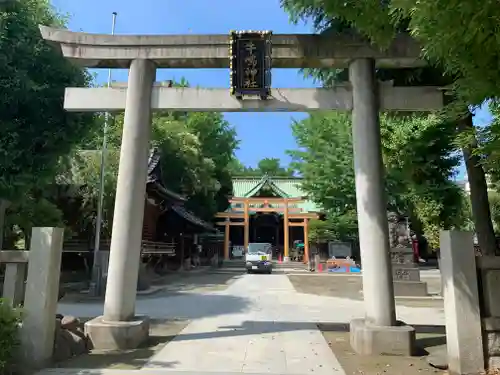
{"points": [[262, 134]]}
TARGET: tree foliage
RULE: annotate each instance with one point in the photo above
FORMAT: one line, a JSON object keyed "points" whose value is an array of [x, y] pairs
{"points": [[195, 149], [459, 36], [453, 37], [36, 131], [418, 164], [269, 166]]}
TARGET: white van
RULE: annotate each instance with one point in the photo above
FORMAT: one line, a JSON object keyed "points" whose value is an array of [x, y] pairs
{"points": [[258, 258]]}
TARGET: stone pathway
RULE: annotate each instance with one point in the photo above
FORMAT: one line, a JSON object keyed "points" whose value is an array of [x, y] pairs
{"points": [[262, 339], [259, 324]]}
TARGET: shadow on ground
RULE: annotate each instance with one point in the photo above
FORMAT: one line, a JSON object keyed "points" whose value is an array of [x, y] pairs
{"points": [[335, 334], [169, 284], [337, 337], [428, 338], [204, 281], [175, 305], [161, 332], [262, 327]]}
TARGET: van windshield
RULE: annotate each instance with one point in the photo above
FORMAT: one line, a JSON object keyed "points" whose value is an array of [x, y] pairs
{"points": [[256, 248]]}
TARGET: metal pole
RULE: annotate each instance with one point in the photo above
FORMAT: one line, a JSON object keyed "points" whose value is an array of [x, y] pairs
{"points": [[96, 287]]}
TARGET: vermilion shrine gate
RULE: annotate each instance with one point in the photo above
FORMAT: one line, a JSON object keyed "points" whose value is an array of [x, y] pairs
{"points": [[254, 205], [250, 61], [280, 197]]}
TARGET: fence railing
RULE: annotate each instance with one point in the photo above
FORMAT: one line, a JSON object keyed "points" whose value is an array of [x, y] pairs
{"points": [[16, 263], [147, 247]]}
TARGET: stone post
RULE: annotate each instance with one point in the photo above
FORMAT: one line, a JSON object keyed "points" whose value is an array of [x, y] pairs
{"points": [[377, 333], [461, 303], [42, 290], [13, 287], [119, 328]]}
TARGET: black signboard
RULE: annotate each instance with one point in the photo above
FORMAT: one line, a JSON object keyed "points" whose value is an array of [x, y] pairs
{"points": [[250, 63]]}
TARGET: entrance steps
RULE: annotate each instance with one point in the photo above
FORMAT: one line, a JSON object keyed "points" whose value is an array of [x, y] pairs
{"points": [[234, 263], [290, 267]]}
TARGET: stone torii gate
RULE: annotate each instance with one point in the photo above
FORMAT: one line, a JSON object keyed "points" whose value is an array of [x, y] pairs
{"points": [[142, 55]]}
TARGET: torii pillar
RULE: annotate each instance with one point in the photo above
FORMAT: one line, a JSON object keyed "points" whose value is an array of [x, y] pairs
{"points": [[378, 332], [119, 327]]}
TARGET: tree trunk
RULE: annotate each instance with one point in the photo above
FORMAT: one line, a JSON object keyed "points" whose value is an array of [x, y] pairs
{"points": [[4, 204], [478, 193]]}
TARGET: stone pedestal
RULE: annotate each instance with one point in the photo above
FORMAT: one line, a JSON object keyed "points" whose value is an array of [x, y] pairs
{"points": [[410, 289], [110, 335], [369, 339], [406, 274], [286, 259], [143, 280], [214, 262], [317, 261]]}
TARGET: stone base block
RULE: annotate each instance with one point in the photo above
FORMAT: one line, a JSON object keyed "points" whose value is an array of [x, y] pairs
{"points": [[405, 273], [117, 335], [410, 289], [367, 339], [286, 259]]}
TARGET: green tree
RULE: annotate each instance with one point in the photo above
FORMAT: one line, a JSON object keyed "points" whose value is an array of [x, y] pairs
{"points": [[272, 167], [269, 166], [460, 37], [379, 21], [218, 142], [418, 170], [196, 150], [82, 177], [36, 131]]}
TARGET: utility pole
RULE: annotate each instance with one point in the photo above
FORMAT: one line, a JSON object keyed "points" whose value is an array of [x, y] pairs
{"points": [[96, 284]]}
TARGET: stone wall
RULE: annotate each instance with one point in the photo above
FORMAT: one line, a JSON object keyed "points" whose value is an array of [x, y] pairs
{"points": [[488, 268]]}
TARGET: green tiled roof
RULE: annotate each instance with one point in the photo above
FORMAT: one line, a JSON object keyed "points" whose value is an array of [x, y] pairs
{"points": [[285, 187]]}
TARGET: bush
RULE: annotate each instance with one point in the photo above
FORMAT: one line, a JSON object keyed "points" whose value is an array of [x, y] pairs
{"points": [[10, 319]]}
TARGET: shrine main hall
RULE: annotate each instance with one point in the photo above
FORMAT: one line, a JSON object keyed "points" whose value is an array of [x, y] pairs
{"points": [[268, 209]]}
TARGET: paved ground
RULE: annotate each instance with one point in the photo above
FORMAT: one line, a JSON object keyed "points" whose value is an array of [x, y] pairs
{"points": [[259, 324], [350, 287]]}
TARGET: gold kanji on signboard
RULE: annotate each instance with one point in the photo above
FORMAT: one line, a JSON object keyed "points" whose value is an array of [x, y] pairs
{"points": [[250, 63]]}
